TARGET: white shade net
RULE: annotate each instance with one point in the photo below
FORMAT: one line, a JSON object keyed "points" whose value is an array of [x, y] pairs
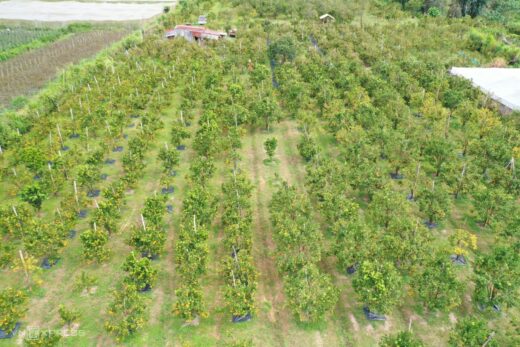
{"points": [[501, 84]]}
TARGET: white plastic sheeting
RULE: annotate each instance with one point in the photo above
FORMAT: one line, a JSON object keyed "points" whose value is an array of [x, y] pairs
{"points": [[78, 11], [501, 84]]}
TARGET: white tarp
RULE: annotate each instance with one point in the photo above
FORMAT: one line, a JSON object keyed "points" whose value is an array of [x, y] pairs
{"points": [[78, 11], [502, 84]]}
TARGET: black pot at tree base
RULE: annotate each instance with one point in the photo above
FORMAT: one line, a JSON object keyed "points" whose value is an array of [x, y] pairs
{"points": [[240, 319], [352, 269], [169, 208], [430, 225], [146, 288], [110, 161], [103, 176], [482, 307], [149, 255], [72, 233], [74, 136], [82, 213], [168, 190], [11, 334], [458, 259], [410, 197], [134, 116], [117, 149], [132, 125], [396, 176], [94, 193], [371, 315], [181, 147], [65, 148], [47, 263]]}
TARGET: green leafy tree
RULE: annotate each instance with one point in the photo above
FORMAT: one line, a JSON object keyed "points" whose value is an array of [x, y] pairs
{"points": [[201, 203], [307, 148], [148, 241], [379, 285], [471, 332], [208, 137], [406, 243], [44, 240], [33, 158], [201, 170], [192, 250], [34, 194], [94, 245], [463, 242], [401, 339], [170, 159], [435, 203], [351, 239], [259, 74], [267, 111], [139, 272], [270, 147], [497, 276], [437, 285], [439, 152], [189, 303], [107, 215], [491, 203], [153, 211], [386, 206], [298, 241], [68, 316], [88, 175], [178, 134], [84, 282], [42, 338], [127, 311], [311, 294], [13, 305], [241, 278], [282, 49]]}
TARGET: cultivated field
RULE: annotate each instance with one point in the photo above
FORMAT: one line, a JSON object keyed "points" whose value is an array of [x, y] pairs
{"points": [[305, 184], [27, 73]]}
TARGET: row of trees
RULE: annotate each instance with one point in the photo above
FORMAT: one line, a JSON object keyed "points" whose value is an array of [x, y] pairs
{"points": [[389, 254], [198, 210], [127, 312], [238, 269], [311, 293]]}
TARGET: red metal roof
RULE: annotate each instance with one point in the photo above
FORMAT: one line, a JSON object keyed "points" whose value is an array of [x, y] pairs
{"points": [[196, 31]]}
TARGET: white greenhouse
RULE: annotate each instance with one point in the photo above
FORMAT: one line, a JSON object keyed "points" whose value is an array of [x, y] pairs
{"points": [[501, 84]]}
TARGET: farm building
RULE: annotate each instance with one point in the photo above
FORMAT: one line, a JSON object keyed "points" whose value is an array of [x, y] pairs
{"points": [[501, 84], [326, 18], [194, 33]]}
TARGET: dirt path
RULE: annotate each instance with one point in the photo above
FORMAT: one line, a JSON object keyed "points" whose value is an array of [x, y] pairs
{"points": [[27, 73], [270, 289]]}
